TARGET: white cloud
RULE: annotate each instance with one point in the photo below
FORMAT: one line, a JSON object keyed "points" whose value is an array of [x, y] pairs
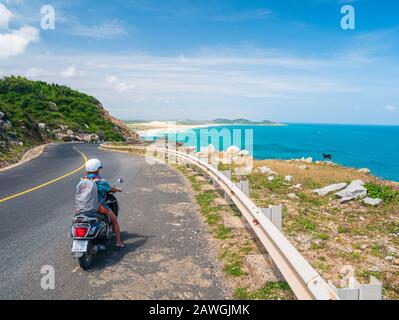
{"points": [[35, 72], [111, 79], [69, 72], [5, 16], [119, 85], [123, 86], [16, 42], [390, 108], [108, 30]]}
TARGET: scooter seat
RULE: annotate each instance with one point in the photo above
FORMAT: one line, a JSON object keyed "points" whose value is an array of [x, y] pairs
{"points": [[95, 215]]}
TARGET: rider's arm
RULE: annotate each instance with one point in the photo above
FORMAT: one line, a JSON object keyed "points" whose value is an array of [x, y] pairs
{"points": [[104, 187]]}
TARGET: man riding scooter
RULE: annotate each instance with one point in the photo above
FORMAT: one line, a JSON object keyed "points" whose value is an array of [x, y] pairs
{"points": [[93, 167]]}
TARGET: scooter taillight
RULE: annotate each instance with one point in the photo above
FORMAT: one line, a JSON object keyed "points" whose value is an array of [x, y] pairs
{"points": [[80, 232]]}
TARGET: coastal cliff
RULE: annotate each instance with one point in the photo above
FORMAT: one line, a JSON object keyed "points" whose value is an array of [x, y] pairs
{"points": [[34, 113]]}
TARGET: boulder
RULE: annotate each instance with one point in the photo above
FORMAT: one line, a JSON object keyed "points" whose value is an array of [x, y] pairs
{"points": [[233, 150], [90, 137], [244, 153], [69, 132], [372, 202], [289, 178], [355, 190], [307, 160], [209, 149], [292, 196], [270, 178], [364, 170], [63, 127], [42, 126], [7, 124], [330, 188], [1, 115], [267, 170]]}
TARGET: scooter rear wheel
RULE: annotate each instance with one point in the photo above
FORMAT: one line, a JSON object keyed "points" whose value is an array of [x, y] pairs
{"points": [[86, 261]]}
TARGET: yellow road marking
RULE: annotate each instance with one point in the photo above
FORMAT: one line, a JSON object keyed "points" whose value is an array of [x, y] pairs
{"points": [[49, 182]]}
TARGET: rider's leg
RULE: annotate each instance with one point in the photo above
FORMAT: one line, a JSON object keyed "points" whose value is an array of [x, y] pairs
{"points": [[115, 228]]}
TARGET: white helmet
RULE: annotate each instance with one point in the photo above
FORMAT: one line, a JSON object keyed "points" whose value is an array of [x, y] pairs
{"points": [[93, 165]]}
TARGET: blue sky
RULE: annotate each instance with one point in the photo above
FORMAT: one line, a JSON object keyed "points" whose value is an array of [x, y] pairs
{"points": [[283, 60]]}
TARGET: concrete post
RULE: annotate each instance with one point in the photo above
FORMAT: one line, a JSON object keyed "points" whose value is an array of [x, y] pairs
{"points": [[214, 183], [358, 291], [227, 174], [274, 214]]}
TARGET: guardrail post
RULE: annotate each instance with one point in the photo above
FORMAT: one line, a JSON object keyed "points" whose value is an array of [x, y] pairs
{"points": [[227, 174], [275, 215], [244, 187], [214, 182], [358, 291]]}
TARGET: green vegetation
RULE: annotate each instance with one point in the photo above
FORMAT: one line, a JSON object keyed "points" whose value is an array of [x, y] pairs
{"points": [[386, 193], [27, 103], [277, 290]]}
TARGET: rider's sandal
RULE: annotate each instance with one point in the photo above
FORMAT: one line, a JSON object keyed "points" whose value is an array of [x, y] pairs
{"points": [[119, 247]]}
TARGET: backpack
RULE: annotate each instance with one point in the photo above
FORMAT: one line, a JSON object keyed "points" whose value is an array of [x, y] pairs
{"points": [[86, 196]]}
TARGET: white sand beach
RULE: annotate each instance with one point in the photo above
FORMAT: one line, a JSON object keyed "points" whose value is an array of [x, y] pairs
{"points": [[153, 128]]}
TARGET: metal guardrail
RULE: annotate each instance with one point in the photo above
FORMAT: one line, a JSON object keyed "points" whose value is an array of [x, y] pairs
{"points": [[304, 280]]}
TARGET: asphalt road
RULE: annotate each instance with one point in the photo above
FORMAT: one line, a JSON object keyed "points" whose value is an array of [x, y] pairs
{"points": [[167, 254]]}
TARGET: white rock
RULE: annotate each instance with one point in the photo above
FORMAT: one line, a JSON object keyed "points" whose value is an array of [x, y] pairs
{"points": [[297, 186], [392, 249], [270, 178], [69, 132], [355, 190], [308, 160], [371, 201], [7, 124], [389, 258], [330, 188], [209, 149], [266, 170], [42, 126], [289, 178], [375, 269], [292, 196], [1, 115], [233, 150], [364, 170]]}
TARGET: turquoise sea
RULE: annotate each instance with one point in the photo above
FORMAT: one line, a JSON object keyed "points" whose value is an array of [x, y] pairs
{"points": [[359, 146]]}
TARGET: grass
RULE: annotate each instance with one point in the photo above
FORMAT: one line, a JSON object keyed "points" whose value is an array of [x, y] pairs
{"points": [[234, 245], [276, 290], [384, 192], [222, 232]]}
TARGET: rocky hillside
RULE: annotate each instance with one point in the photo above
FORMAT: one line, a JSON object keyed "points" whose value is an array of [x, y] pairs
{"points": [[35, 112]]}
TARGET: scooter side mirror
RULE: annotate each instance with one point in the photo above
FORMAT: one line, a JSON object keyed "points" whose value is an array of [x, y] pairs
{"points": [[120, 180]]}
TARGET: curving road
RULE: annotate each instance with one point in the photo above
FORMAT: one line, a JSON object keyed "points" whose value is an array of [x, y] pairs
{"points": [[167, 254]]}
